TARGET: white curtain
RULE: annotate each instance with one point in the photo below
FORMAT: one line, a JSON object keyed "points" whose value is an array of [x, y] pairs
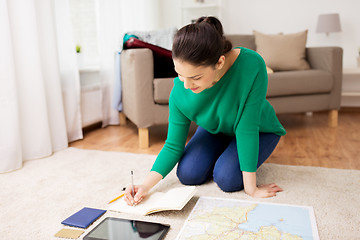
{"points": [[109, 43], [69, 71], [35, 121]]}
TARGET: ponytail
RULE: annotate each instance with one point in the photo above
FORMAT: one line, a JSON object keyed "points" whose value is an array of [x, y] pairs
{"points": [[201, 43]]}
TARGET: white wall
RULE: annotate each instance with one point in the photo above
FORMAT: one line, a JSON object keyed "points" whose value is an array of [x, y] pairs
{"points": [[287, 16], [170, 13], [140, 15]]}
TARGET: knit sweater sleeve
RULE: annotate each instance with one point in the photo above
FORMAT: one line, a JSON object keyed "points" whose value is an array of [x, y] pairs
{"points": [[176, 138], [247, 129]]}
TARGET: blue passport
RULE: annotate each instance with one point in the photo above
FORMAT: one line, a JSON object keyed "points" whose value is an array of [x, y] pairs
{"points": [[84, 217]]}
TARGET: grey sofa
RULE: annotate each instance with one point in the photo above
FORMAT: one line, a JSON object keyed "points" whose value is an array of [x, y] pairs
{"points": [[145, 99]]}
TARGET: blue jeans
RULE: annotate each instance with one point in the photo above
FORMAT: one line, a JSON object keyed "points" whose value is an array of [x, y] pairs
{"points": [[209, 154]]}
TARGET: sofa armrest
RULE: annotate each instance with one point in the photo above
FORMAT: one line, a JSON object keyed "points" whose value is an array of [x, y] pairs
{"points": [[137, 75], [329, 59]]}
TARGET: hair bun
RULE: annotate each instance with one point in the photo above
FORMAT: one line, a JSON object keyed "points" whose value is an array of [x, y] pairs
{"points": [[213, 21], [201, 43]]}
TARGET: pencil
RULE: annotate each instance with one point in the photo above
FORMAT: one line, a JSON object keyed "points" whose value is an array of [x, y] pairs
{"points": [[116, 198]]}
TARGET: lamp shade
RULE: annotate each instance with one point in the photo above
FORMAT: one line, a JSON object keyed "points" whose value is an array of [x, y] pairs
{"points": [[328, 23]]}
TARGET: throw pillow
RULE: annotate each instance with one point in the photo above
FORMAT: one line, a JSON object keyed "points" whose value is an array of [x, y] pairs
{"points": [[283, 52], [163, 63], [269, 70]]}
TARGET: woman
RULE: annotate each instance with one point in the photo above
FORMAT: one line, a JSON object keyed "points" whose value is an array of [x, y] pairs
{"points": [[223, 91]]}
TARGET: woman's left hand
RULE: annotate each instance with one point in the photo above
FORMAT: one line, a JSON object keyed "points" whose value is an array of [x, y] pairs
{"points": [[265, 191]]}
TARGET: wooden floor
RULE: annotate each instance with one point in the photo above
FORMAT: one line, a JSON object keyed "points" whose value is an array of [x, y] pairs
{"points": [[309, 141]]}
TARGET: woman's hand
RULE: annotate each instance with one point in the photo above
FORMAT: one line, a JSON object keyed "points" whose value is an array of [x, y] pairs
{"points": [[265, 191], [262, 191], [140, 191]]}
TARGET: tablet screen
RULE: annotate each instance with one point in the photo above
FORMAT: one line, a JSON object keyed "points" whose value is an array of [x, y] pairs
{"points": [[118, 228]]}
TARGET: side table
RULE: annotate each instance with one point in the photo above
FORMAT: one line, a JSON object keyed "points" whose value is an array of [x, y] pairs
{"points": [[350, 96]]}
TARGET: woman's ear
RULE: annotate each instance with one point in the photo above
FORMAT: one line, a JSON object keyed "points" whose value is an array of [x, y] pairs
{"points": [[220, 64]]}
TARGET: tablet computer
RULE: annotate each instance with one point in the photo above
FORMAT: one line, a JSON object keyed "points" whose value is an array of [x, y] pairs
{"points": [[118, 229]]}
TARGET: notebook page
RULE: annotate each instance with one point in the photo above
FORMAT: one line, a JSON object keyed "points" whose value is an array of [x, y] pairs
{"points": [[176, 198], [145, 205]]}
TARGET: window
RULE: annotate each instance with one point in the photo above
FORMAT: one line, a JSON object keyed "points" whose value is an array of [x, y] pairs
{"points": [[84, 22]]}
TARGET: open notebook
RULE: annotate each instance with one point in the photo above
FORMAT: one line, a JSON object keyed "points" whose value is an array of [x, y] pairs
{"points": [[174, 199]]}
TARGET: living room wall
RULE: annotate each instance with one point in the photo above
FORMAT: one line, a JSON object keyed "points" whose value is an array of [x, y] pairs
{"points": [[287, 16]]}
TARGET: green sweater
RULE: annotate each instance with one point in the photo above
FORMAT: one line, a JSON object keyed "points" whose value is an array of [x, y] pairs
{"points": [[235, 106]]}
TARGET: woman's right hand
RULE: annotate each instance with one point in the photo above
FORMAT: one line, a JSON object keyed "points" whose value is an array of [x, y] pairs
{"points": [[140, 191]]}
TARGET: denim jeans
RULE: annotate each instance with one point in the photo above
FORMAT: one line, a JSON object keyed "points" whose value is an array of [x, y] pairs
{"points": [[209, 154]]}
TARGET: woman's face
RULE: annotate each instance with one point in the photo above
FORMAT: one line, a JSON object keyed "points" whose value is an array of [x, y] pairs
{"points": [[197, 78]]}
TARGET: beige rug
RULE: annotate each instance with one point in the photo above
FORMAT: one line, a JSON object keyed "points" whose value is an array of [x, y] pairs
{"points": [[35, 199]]}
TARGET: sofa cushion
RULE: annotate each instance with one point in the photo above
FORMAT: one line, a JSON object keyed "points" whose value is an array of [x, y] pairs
{"points": [[162, 89], [289, 83], [285, 83], [246, 41], [283, 52]]}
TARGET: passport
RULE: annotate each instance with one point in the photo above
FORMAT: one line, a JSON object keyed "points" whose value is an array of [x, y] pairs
{"points": [[84, 217]]}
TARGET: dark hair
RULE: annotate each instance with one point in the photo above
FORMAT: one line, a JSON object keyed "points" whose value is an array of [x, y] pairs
{"points": [[201, 43]]}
